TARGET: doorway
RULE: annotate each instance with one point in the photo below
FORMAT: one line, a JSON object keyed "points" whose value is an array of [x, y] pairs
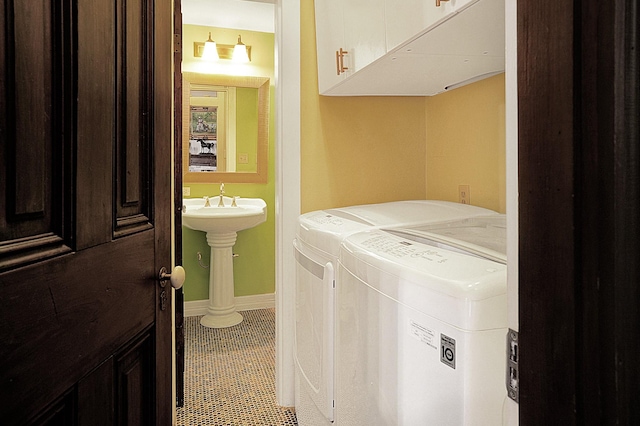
{"points": [[286, 175]]}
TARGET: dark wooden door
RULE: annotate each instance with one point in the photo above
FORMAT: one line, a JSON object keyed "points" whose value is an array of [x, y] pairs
{"points": [[579, 212], [85, 196]]}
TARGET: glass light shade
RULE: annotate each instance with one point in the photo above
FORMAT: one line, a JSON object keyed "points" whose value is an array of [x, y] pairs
{"points": [[210, 51], [240, 52]]}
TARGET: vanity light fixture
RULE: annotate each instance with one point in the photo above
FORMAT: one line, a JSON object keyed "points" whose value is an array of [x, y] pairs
{"points": [[222, 51], [240, 52], [210, 50]]}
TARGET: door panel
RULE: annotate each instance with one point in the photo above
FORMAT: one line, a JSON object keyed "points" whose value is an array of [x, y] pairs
{"points": [[32, 224], [59, 322], [95, 122], [34, 95], [94, 406], [133, 167], [85, 205], [133, 378]]}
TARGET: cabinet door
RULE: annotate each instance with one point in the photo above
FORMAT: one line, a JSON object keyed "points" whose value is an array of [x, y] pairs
{"points": [[408, 18], [364, 32], [329, 39]]}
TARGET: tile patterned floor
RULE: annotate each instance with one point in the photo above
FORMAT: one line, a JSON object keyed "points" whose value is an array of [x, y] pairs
{"points": [[230, 374]]}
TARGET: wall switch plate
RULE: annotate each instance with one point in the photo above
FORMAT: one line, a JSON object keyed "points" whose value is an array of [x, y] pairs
{"points": [[186, 191], [463, 194], [243, 158]]}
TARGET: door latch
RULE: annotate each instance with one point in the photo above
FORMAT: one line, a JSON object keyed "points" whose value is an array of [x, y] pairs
{"points": [[513, 357]]}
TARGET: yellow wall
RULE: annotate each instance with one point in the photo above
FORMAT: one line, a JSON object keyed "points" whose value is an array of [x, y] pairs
{"points": [[466, 143], [254, 269], [356, 150]]}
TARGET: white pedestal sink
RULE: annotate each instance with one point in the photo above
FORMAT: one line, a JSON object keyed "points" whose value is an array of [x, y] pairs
{"points": [[221, 225]]}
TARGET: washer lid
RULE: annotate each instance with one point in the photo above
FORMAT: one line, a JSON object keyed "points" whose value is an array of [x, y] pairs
{"points": [[325, 229], [408, 212], [483, 236]]}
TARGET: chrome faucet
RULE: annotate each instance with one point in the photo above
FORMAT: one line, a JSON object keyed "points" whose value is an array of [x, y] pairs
{"points": [[221, 202]]}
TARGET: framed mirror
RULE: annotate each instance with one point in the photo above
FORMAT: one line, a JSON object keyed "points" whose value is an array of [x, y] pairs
{"points": [[225, 128]]}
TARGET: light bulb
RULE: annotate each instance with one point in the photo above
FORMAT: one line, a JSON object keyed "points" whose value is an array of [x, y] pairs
{"points": [[210, 51], [240, 52]]}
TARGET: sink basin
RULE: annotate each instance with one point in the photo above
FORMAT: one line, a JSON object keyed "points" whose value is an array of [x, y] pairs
{"points": [[222, 220]]}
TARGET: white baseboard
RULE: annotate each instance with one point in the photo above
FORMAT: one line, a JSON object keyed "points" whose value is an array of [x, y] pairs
{"points": [[243, 303]]}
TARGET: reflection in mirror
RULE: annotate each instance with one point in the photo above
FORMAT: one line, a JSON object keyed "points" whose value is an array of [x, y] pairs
{"points": [[225, 128]]}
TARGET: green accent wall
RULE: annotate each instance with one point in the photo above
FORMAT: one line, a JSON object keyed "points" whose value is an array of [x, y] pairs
{"points": [[247, 128]]}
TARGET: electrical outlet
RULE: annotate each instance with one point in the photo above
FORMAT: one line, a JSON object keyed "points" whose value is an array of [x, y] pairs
{"points": [[186, 191], [243, 158], [463, 194]]}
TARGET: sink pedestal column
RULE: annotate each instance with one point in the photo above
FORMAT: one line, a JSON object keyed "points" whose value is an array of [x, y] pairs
{"points": [[222, 308]]}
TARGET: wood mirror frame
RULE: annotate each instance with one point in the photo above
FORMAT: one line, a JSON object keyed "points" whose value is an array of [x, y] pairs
{"points": [[260, 83]]}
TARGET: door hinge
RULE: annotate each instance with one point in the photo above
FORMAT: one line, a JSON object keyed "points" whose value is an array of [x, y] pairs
{"points": [[512, 374], [177, 43]]}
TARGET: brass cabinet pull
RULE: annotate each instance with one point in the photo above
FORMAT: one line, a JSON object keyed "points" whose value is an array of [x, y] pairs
{"points": [[342, 53], [340, 61], [438, 2]]}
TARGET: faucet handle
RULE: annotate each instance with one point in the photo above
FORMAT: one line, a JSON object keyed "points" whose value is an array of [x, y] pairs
{"points": [[206, 201], [233, 203], [221, 188]]}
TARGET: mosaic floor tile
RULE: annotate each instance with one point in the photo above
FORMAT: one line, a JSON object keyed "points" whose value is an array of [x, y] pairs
{"points": [[230, 374]]}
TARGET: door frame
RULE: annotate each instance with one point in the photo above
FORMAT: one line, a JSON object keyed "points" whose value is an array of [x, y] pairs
{"points": [[549, 383], [287, 188], [542, 404], [579, 212]]}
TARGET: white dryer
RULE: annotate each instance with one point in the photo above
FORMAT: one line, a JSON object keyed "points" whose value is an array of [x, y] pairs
{"points": [[421, 325], [316, 251]]}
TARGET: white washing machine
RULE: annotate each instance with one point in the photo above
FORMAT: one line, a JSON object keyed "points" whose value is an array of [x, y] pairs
{"points": [[316, 251], [421, 325]]}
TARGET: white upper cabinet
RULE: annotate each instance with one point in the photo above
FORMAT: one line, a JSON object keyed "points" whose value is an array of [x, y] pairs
{"points": [[329, 39], [364, 33], [408, 18], [406, 47], [349, 35]]}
